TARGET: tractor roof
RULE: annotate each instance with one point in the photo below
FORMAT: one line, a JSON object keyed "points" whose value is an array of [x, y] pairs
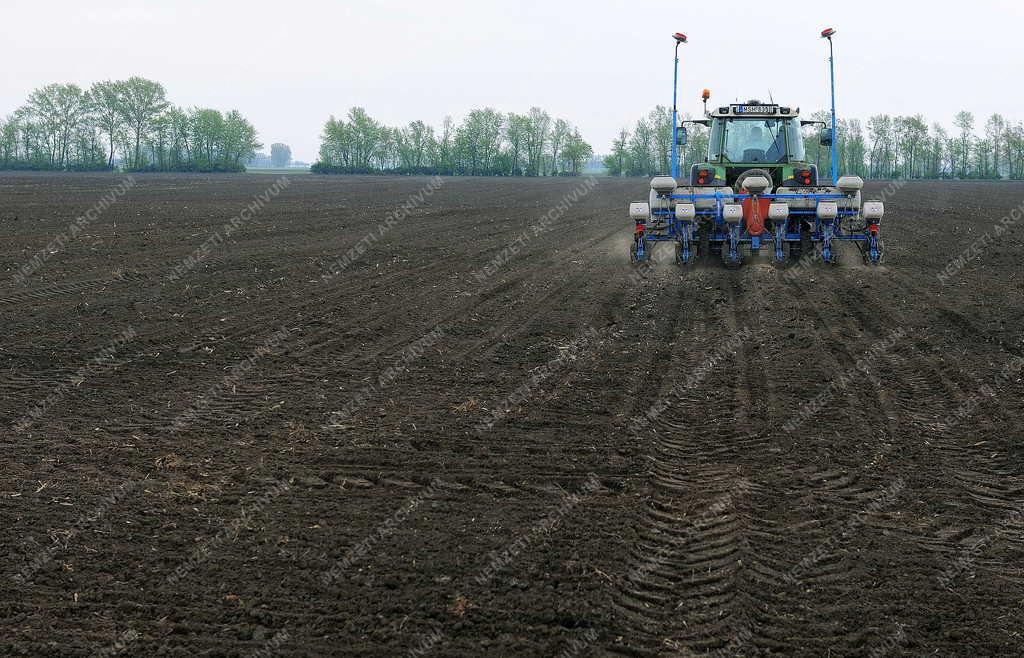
{"points": [[755, 109]]}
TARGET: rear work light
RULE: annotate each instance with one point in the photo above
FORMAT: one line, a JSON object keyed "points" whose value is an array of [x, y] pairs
{"points": [[703, 175]]}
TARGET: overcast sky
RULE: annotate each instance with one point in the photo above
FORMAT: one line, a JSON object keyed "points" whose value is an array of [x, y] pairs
{"points": [[287, 66]]}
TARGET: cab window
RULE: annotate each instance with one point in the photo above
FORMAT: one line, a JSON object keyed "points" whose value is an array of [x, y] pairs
{"points": [[755, 140]]}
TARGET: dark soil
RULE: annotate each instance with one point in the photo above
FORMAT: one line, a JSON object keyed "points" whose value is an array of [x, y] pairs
{"points": [[418, 455]]}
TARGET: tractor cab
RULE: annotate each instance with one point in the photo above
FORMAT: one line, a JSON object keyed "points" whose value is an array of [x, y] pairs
{"points": [[754, 136]]}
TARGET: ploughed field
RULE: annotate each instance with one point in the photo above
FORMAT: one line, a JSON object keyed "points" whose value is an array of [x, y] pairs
{"points": [[371, 417]]}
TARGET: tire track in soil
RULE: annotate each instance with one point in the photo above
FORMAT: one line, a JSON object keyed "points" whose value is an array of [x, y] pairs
{"points": [[251, 321], [198, 607], [908, 407], [733, 558], [293, 382], [46, 291], [307, 303], [978, 483], [684, 567], [582, 384], [522, 313], [746, 536], [967, 460], [814, 471], [832, 476], [316, 346], [828, 475]]}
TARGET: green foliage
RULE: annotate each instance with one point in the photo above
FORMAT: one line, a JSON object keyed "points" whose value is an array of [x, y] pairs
{"points": [[140, 103], [647, 149], [200, 140], [907, 147], [486, 143], [62, 127]]}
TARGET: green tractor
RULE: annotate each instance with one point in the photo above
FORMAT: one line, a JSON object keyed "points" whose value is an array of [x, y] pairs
{"points": [[755, 189], [755, 139]]}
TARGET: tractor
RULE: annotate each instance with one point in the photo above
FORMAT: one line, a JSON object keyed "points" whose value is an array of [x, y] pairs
{"points": [[755, 190]]}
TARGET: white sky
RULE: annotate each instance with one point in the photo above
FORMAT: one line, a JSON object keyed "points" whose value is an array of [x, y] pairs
{"points": [[287, 66]]}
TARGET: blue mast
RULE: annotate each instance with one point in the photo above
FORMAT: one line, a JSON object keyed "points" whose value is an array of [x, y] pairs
{"points": [[680, 39], [828, 34]]}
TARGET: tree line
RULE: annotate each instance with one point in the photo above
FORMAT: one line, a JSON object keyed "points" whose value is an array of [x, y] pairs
{"points": [[127, 122], [485, 143], [130, 123], [885, 147], [909, 147]]}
